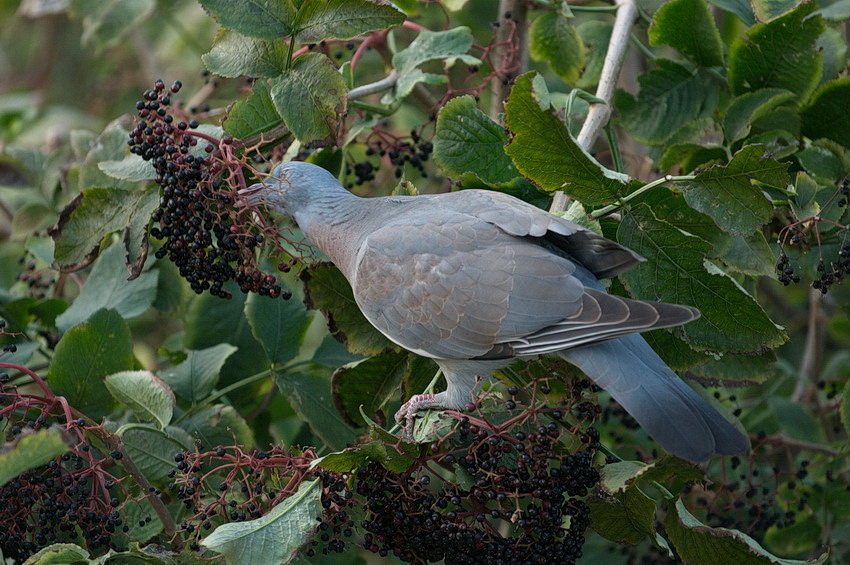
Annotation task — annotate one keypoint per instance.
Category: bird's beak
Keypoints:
(252, 195)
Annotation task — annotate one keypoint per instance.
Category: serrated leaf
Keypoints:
(826, 116)
(739, 368)
(467, 141)
(309, 392)
(234, 54)
(146, 395)
(740, 8)
(29, 451)
(253, 116)
(780, 54)
(90, 217)
(108, 287)
(626, 517)
(729, 195)
(750, 255)
(552, 39)
(218, 425)
(749, 107)
(687, 25)
(152, 450)
(197, 375)
(256, 18)
(670, 98)
(311, 98)
(275, 537)
(327, 290)
(428, 45)
(59, 554)
(698, 544)
(279, 325)
(135, 238)
(596, 35)
(368, 384)
(384, 451)
(769, 10)
(543, 150)
(131, 168)
(85, 355)
(675, 272)
(343, 19)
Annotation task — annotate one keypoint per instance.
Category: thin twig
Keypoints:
(804, 392)
(599, 114)
(519, 13)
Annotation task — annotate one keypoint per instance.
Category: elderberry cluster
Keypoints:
(195, 214)
(785, 271)
(400, 152)
(522, 502)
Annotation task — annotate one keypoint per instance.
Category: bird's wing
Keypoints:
(602, 257)
(453, 286)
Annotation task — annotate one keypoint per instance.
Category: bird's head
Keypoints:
(291, 187)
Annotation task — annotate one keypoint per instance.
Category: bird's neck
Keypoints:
(335, 224)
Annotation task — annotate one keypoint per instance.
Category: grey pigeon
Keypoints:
(476, 278)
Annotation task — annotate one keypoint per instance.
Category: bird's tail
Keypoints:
(674, 414)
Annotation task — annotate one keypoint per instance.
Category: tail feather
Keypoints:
(674, 414)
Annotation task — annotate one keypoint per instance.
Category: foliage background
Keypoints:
(709, 94)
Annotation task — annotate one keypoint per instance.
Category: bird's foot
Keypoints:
(407, 413)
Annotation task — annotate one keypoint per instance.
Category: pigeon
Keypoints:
(475, 279)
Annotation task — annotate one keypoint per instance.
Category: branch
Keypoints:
(519, 12)
(599, 114)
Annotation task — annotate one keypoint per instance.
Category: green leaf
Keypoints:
(747, 108)
(738, 368)
(108, 287)
(343, 19)
(29, 451)
(675, 272)
(85, 355)
(234, 54)
(826, 116)
(393, 455)
(544, 151)
(670, 98)
(780, 54)
(799, 538)
(367, 385)
(750, 255)
(146, 395)
(311, 98)
(797, 420)
(279, 325)
(59, 554)
(625, 517)
(131, 168)
(327, 290)
(596, 35)
(136, 234)
(218, 425)
(195, 378)
(769, 10)
(451, 44)
(105, 23)
(729, 193)
(698, 544)
(152, 450)
(822, 161)
(90, 217)
(253, 116)
(844, 408)
(687, 25)
(275, 537)
(309, 393)
(266, 19)
(740, 8)
(468, 141)
(554, 40)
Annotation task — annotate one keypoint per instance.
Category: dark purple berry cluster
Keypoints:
(785, 272)
(415, 151)
(201, 230)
